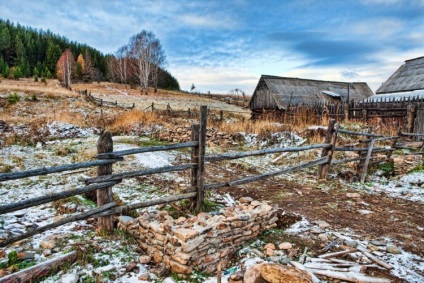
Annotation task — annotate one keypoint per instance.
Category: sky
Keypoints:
(220, 45)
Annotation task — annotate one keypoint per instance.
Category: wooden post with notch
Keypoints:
(104, 196)
(194, 158)
(330, 137)
(201, 160)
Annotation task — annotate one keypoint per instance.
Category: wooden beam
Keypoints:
(358, 133)
(367, 161)
(73, 218)
(132, 174)
(146, 149)
(330, 137)
(54, 169)
(229, 156)
(48, 198)
(36, 272)
(104, 196)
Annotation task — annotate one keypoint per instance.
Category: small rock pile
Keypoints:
(404, 164)
(200, 242)
(213, 137)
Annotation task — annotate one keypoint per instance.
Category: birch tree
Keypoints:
(66, 68)
(158, 60)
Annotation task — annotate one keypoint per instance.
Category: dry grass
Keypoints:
(128, 120)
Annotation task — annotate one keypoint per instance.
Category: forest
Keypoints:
(29, 52)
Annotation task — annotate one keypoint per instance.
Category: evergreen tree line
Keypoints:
(27, 52)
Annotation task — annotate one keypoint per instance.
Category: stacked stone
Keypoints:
(200, 242)
(404, 164)
(183, 134)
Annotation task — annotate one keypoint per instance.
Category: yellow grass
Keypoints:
(126, 121)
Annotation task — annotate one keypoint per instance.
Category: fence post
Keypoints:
(201, 160)
(330, 137)
(153, 107)
(410, 110)
(367, 161)
(189, 115)
(364, 116)
(221, 115)
(346, 111)
(104, 196)
(194, 157)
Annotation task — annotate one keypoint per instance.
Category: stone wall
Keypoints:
(199, 242)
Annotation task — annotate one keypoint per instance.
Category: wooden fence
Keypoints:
(105, 179)
(102, 102)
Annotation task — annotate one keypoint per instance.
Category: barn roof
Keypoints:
(396, 96)
(409, 76)
(304, 91)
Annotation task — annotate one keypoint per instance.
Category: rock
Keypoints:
(237, 276)
(26, 256)
(160, 271)
(144, 259)
(69, 278)
(245, 200)
(269, 252)
(276, 273)
(169, 280)
(47, 252)
(285, 246)
(372, 247)
(144, 277)
(323, 237)
(255, 203)
(179, 268)
(2, 254)
(49, 244)
(253, 274)
(317, 230)
(393, 249)
(131, 266)
(322, 224)
(269, 246)
(125, 219)
(352, 244)
(353, 195)
(377, 243)
(185, 234)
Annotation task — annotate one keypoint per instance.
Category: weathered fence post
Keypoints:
(201, 159)
(346, 111)
(194, 157)
(104, 196)
(221, 115)
(330, 137)
(153, 107)
(189, 115)
(367, 161)
(364, 116)
(410, 114)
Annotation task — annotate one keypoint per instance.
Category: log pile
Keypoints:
(404, 164)
(213, 137)
(199, 242)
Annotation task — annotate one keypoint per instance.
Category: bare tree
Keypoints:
(140, 50)
(158, 60)
(66, 68)
(122, 63)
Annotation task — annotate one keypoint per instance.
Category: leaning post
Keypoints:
(330, 137)
(201, 159)
(194, 159)
(104, 196)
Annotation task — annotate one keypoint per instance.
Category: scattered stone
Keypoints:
(258, 253)
(26, 256)
(377, 243)
(285, 246)
(253, 274)
(365, 211)
(2, 253)
(145, 277)
(352, 244)
(323, 237)
(372, 247)
(317, 230)
(49, 244)
(269, 252)
(322, 224)
(47, 252)
(269, 246)
(237, 275)
(160, 271)
(131, 266)
(393, 249)
(125, 219)
(169, 280)
(245, 200)
(353, 195)
(144, 259)
(276, 273)
(69, 278)
(19, 214)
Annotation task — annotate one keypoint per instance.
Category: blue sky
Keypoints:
(222, 45)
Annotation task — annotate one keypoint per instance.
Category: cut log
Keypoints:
(336, 254)
(34, 273)
(374, 258)
(351, 276)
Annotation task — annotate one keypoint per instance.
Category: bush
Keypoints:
(35, 78)
(13, 98)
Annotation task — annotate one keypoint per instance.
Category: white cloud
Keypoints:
(207, 21)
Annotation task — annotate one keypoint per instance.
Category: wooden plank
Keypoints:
(36, 272)
(330, 137)
(146, 149)
(73, 218)
(229, 156)
(358, 133)
(48, 198)
(104, 196)
(132, 174)
(268, 175)
(125, 208)
(362, 149)
(367, 161)
(351, 276)
(201, 161)
(54, 169)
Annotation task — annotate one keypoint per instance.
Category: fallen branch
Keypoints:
(351, 276)
(33, 273)
(374, 258)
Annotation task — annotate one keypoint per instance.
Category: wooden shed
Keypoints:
(278, 93)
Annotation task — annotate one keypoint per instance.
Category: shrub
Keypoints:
(13, 98)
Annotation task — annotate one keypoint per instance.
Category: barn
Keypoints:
(278, 93)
